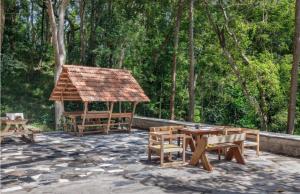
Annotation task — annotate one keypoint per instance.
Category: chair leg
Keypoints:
(161, 158)
(257, 150)
(184, 149)
(170, 156)
(149, 154)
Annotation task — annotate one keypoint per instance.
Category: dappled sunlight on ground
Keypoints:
(117, 163)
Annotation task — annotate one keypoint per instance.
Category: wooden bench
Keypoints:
(252, 137)
(232, 142)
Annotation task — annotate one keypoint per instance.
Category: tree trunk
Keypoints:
(59, 49)
(192, 64)
(42, 25)
(82, 32)
(176, 38)
(294, 72)
(2, 21)
(92, 39)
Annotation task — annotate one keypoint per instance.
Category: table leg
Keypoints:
(205, 162)
(192, 144)
(236, 153)
(4, 132)
(200, 149)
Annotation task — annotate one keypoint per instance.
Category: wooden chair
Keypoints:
(233, 142)
(252, 139)
(162, 142)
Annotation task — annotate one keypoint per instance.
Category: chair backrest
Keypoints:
(232, 130)
(166, 128)
(251, 134)
(157, 129)
(225, 138)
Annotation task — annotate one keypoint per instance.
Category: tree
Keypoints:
(176, 40)
(2, 21)
(59, 47)
(82, 31)
(220, 32)
(294, 72)
(192, 64)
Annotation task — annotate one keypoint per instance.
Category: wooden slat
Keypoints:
(121, 115)
(225, 138)
(96, 116)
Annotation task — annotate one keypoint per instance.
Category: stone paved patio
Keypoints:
(117, 163)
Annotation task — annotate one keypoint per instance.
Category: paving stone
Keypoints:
(62, 165)
(63, 180)
(10, 189)
(120, 160)
(115, 170)
(36, 177)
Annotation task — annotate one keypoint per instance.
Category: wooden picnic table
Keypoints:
(196, 134)
(78, 121)
(16, 127)
(202, 139)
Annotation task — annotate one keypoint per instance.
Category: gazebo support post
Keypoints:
(132, 113)
(120, 119)
(109, 116)
(107, 105)
(84, 116)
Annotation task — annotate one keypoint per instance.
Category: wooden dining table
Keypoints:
(194, 133)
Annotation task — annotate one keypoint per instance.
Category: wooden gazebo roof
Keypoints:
(90, 84)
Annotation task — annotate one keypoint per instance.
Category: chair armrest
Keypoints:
(160, 133)
(251, 131)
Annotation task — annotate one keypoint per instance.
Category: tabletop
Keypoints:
(12, 122)
(202, 130)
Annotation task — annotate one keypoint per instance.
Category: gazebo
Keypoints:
(94, 84)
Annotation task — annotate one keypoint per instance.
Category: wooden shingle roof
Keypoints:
(90, 84)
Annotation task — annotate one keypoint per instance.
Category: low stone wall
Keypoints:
(272, 142)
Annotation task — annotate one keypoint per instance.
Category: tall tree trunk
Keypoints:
(176, 38)
(294, 72)
(59, 48)
(42, 25)
(32, 30)
(82, 32)
(94, 19)
(192, 64)
(2, 21)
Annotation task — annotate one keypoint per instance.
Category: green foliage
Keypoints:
(142, 31)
